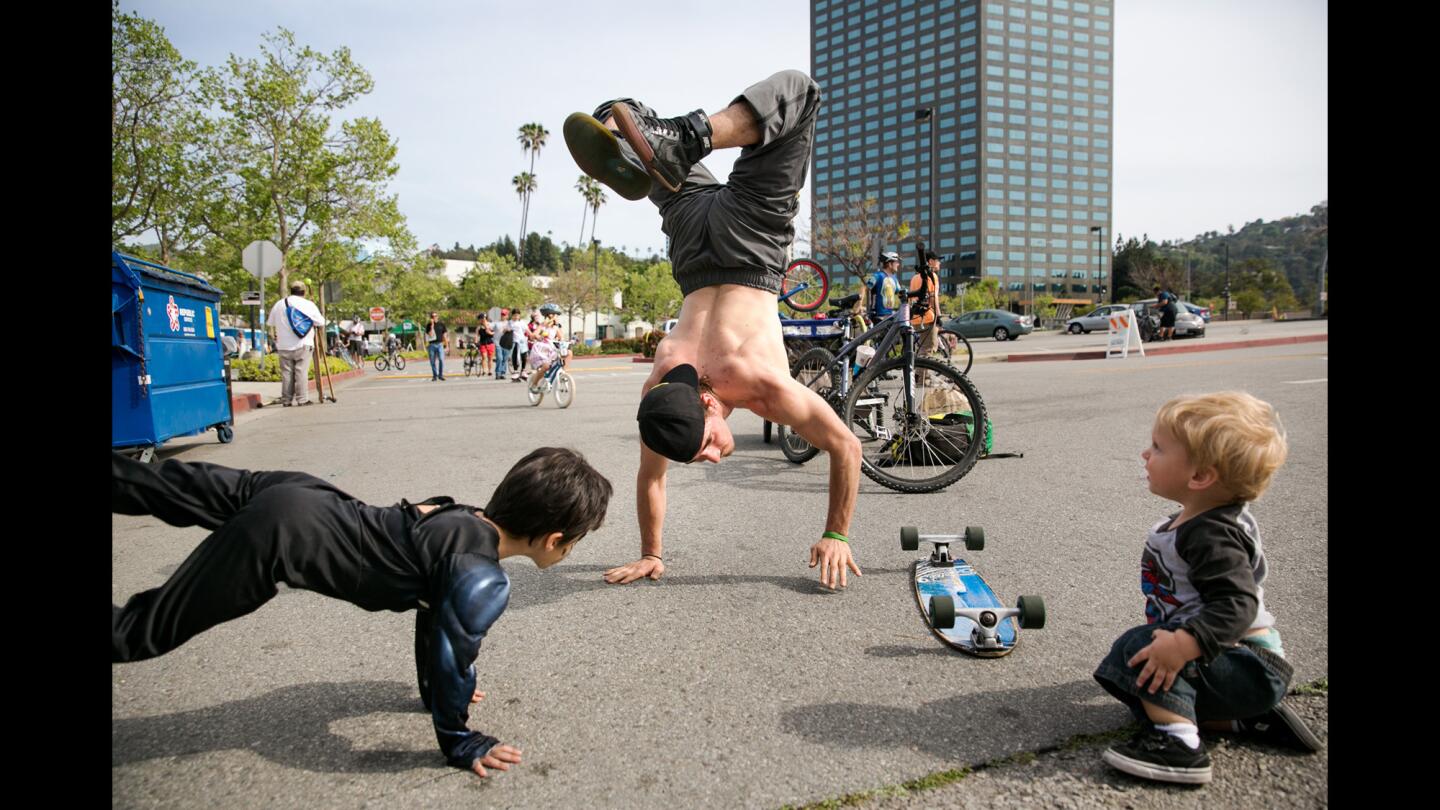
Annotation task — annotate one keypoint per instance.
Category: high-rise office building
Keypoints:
(1020, 95)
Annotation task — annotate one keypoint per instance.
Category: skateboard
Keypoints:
(598, 153)
(958, 604)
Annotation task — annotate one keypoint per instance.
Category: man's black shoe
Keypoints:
(1153, 754)
(1282, 727)
(667, 147)
(602, 155)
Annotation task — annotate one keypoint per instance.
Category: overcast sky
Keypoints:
(1220, 112)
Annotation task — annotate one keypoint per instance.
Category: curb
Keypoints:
(240, 403)
(1099, 354)
(638, 359)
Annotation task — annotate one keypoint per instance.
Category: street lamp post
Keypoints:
(927, 114)
(1100, 260)
(595, 248)
(1227, 280)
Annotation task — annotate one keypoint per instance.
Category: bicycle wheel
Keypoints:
(564, 389)
(933, 445)
(399, 363)
(805, 284)
(812, 370)
(953, 350)
(536, 393)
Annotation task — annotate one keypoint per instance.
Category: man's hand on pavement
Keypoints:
(833, 557)
(643, 567)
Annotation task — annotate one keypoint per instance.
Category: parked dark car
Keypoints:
(996, 323)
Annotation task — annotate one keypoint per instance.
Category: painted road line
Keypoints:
(1306, 382)
(1147, 366)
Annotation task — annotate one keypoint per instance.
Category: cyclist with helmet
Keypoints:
(543, 339)
(881, 295)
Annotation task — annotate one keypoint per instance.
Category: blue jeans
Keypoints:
(502, 361)
(437, 361)
(1241, 682)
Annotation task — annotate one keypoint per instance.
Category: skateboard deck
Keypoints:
(959, 606)
(598, 153)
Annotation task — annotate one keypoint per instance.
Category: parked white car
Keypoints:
(1097, 318)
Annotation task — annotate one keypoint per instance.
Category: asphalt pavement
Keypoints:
(734, 681)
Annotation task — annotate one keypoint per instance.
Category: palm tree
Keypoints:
(584, 185)
(524, 183)
(532, 140)
(596, 198)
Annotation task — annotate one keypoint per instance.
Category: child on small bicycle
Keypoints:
(544, 350)
(1209, 655)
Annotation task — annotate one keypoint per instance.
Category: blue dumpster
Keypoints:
(168, 372)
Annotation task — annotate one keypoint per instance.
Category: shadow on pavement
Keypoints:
(289, 726)
(531, 589)
(959, 727)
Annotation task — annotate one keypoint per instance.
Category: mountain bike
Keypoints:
(389, 360)
(472, 361)
(918, 418)
(556, 379)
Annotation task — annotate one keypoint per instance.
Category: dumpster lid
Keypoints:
(160, 271)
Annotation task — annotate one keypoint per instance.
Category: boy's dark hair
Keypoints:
(553, 489)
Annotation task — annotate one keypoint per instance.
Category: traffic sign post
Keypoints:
(261, 258)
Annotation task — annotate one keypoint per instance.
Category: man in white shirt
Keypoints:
(522, 343)
(294, 349)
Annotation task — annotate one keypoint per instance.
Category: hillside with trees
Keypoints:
(1272, 264)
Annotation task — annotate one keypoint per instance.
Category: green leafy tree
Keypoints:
(541, 255)
(1250, 300)
(651, 293)
(984, 295)
(292, 176)
(495, 281)
(159, 170)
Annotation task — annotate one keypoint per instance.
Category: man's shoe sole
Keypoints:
(596, 151)
(1158, 773)
(630, 131)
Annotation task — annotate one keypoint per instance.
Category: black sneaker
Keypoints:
(667, 147)
(1282, 727)
(1153, 754)
(601, 154)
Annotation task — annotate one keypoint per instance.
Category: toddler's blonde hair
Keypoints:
(1232, 431)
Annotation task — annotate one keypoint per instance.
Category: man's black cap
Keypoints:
(930, 254)
(672, 420)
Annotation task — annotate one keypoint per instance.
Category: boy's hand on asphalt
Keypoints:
(643, 567)
(501, 757)
(833, 557)
(478, 696)
(1164, 658)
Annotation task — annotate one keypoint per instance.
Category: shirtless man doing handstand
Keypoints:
(727, 248)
